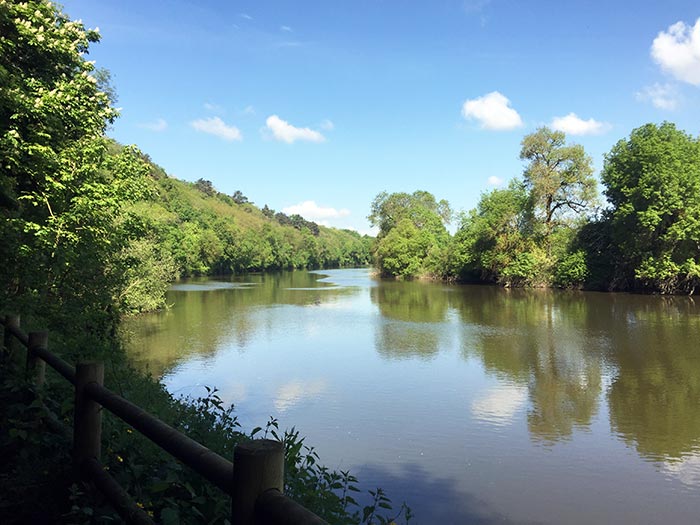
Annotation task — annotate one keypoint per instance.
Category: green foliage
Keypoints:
(652, 181)
(494, 241)
(413, 240)
(558, 177)
(572, 272)
(522, 235)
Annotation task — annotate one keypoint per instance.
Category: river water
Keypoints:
(475, 404)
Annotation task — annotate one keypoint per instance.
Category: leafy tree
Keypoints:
(62, 187)
(206, 187)
(524, 234)
(652, 181)
(412, 239)
(494, 242)
(387, 210)
(239, 198)
(559, 177)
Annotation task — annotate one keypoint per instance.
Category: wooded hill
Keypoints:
(189, 229)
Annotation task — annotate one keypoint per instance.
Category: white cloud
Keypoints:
(313, 212)
(495, 181)
(677, 51)
(493, 111)
(327, 125)
(285, 132)
(662, 96)
(157, 125)
(286, 28)
(217, 127)
(574, 125)
(209, 106)
(246, 16)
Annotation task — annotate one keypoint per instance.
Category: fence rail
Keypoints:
(254, 480)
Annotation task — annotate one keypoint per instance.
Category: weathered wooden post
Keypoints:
(11, 321)
(258, 466)
(36, 367)
(87, 420)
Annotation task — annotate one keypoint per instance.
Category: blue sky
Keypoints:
(314, 107)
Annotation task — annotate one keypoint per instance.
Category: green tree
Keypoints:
(388, 209)
(559, 178)
(412, 238)
(495, 243)
(61, 183)
(652, 181)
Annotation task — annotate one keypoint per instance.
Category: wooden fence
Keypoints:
(254, 480)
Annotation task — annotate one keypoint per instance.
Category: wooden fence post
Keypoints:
(257, 466)
(11, 321)
(87, 420)
(36, 366)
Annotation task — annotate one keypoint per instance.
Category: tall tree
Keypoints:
(558, 176)
(412, 236)
(652, 181)
(62, 187)
(388, 209)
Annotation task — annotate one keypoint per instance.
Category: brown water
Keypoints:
(475, 404)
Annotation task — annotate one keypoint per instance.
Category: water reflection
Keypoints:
(411, 313)
(557, 387)
(499, 405)
(536, 339)
(686, 469)
(208, 315)
(655, 394)
(292, 392)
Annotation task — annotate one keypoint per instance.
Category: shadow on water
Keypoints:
(444, 505)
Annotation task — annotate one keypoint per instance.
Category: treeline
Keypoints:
(188, 229)
(84, 217)
(549, 226)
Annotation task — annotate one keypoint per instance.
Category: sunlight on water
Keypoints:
(473, 403)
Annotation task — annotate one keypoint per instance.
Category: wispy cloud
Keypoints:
(246, 16)
(285, 132)
(495, 181)
(209, 106)
(475, 6)
(157, 125)
(574, 125)
(327, 125)
(662, 96)
(677, 51)
(217, 127)
(313, 212)
(286, 29)
(248, 110)
(289, 43)
(493, 112)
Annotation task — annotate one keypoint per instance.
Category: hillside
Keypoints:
(181, 229)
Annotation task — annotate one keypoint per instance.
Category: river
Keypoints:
(475, 404)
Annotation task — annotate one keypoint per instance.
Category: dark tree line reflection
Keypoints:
(571, 351)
